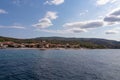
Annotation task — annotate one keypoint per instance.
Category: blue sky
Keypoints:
(65, 18)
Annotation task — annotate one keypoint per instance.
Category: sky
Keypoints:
(63, 18)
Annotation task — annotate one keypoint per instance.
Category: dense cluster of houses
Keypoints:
(42, 44)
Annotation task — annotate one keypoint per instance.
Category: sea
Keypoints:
(66, 64)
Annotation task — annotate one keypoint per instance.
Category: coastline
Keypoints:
(49, 48)
(45, 49)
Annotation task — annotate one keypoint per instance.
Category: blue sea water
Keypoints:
(34, 64)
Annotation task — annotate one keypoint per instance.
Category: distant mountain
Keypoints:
(97, 41)
(84, 42)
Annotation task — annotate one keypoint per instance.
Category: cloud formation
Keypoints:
(81, 26)
(43, 23)
(14, 27)
(17, 27)
(113, 17)
(85, 24)
(54, 2)
(51, 15)
(3, 11)
(115, 12)
(78, 30)
(47, 20)
(103, 2)
(113, 31)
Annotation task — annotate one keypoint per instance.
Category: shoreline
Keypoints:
(48, 48)
(43, 49)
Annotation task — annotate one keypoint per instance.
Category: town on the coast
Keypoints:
(59, 43)
(41, 45)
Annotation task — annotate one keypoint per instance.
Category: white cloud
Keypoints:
(81, 26)
(113, 17)
(103, 2)
(43, 23)
(113, 31)
(17, 27)
(47, 20)
(115, 12)
(14, 27)
(77, 30)
(54, 2)
(51, 15)
(113, 1)
(85, 24)
(3, 11)
(109, 20)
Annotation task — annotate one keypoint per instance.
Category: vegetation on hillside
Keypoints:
(83, 42)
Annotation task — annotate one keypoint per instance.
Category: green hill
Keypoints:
(83, 42)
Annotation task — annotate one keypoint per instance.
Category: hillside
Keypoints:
(83, 42)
